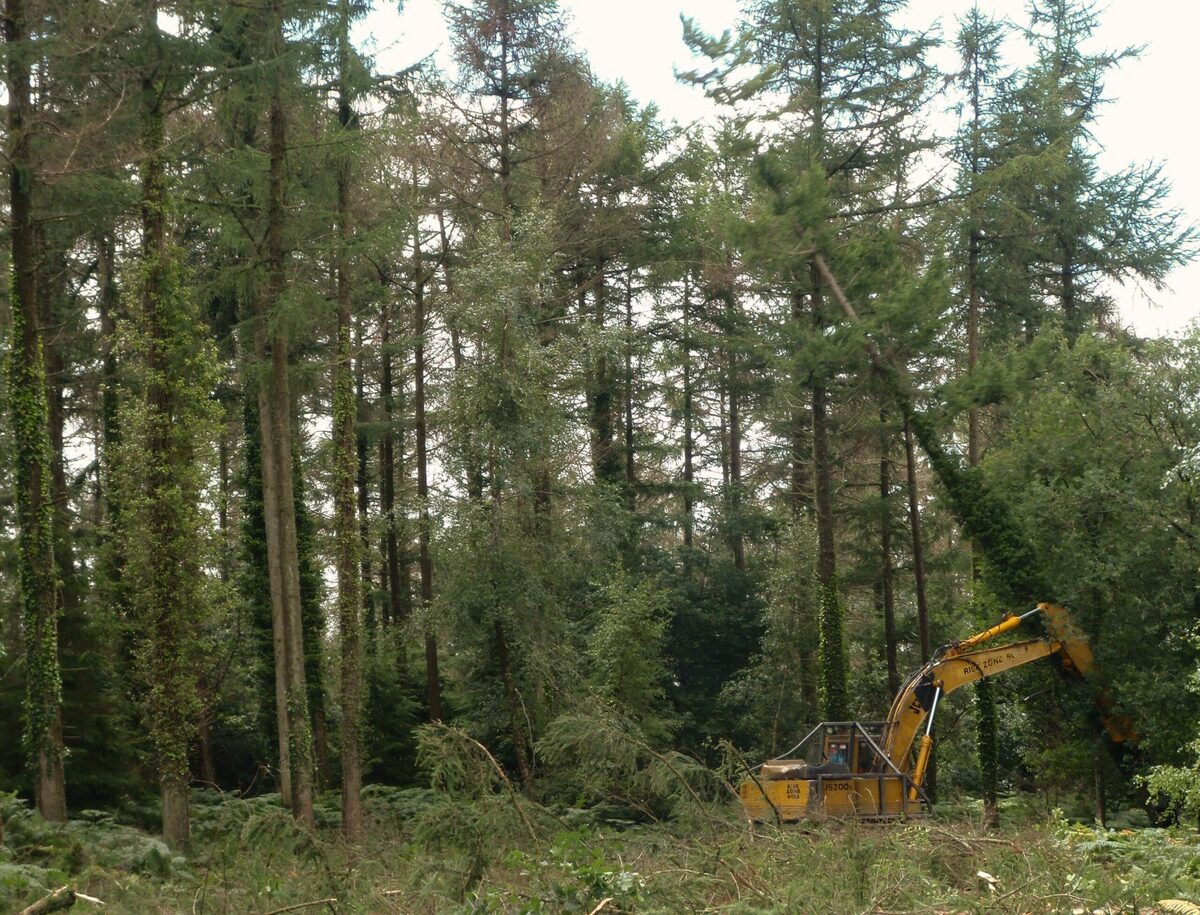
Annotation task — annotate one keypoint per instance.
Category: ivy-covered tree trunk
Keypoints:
(169, 723)
(345, 472)
(349, 602)
(38, 581)
(168, 416)
(832, 641)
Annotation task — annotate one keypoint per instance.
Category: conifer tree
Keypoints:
(169, 421)
(1084, 229)
(275, 416)
(978, 44)
(39, 584)
(850, 83)
(346, 454)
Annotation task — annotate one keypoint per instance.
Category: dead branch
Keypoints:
(331, 902)
(61, 898)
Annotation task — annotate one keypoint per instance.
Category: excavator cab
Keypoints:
(838, 769)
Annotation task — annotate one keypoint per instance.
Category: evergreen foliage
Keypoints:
(477, 437)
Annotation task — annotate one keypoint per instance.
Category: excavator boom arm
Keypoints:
(915, 701)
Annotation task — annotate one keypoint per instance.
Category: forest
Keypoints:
(433, 491)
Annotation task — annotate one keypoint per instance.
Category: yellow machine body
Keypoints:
(876, 770)
(876, 796)
(841, 775)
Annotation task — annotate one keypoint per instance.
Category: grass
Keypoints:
(429, 853)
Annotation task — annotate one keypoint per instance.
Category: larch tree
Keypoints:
(842, 85)
(1075, 230)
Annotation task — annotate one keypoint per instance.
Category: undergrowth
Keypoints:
(436, 852)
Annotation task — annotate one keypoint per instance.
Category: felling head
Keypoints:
(1076, 653)
(1077, 657)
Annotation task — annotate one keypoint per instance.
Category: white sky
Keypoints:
(639, 42)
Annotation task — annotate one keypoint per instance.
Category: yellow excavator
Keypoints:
(876, 770)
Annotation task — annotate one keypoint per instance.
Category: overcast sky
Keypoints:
(639, 42)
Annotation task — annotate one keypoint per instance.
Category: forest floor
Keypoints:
(423, 855)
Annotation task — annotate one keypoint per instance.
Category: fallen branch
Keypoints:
(331, 902)
(750, 771)
(603, 903)
(61, 898)
(499, 770)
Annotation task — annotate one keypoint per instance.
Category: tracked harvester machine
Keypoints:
(876, 770)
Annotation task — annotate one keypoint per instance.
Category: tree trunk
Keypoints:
(166, 621)
(606, 464)
(392, 459)
(630, 447)
(433, 689)
(474, 473)
(985, 705)
(723, 414)
(800, 495)
(516, 713)
(346, 532)
(886, 596)
(1073, 320)
(387, 475)
(973, 342)
(208, 763)
(48, 287)
(27, 395)
(312, 614)
(914, 518)
(833, 650)
(109, 301)
(363, 485)
(278, 495)
(257, 464)
(223, 493)
(736, 540)
(801, 435)
(176, 817)
(689, 469)
(987, 738)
